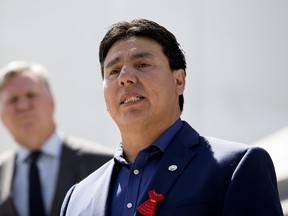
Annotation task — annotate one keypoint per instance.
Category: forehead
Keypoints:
(132, 46)
(21, 80)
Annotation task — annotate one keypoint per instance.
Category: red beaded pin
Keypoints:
(148, 208)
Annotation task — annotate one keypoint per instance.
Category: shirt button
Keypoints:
(136, 171)
(129, 205)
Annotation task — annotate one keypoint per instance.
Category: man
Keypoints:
(27, 109)
(163, 166)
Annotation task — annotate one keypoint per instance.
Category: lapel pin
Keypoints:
(148, 208)
(172, 168)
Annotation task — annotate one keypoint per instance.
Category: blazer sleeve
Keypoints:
(253, 187)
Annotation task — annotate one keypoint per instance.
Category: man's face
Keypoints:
(139, 86)
(26, 109)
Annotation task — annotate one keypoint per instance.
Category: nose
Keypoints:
(23, 103)
(127, 76)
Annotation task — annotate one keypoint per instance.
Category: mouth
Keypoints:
(132, 99)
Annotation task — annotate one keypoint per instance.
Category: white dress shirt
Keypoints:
(48, 165)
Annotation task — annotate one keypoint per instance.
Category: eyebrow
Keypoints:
(134, 56)
(112, 62)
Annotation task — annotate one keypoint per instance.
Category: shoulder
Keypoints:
(84, 153)
(230, 151)
(93, 186)
(227, 146)
(99, 176)
(219, 150)
(93, 181)
(6, 156)
(219, 147)
(86, 146)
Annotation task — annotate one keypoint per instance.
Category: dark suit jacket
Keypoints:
(213, 177)
(79, 158)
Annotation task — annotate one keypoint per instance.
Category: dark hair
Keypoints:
(145, 28)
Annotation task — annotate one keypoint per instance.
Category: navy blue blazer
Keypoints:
(213, 177)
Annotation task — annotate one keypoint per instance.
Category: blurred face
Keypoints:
(26, 109)
(139, 87)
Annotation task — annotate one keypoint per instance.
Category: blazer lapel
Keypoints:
(6, 179)
(175, 159)
(102, 186)
(66, 177)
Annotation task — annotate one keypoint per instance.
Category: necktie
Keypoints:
(36, 206)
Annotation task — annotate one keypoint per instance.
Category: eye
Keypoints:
(111, 72)
(12, 100)
(114, 71)
(143, 65)
(31, 95)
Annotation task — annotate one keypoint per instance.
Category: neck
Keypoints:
(135, 139)
(35, 142)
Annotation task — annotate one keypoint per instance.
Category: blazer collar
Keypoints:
(99, 202)
(179, 152)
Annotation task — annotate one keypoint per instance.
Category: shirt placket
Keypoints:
(133, 190)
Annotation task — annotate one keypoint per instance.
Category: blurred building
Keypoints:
(276, 144)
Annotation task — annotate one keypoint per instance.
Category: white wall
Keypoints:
(237, 54)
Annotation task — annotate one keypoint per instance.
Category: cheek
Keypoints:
(45, 105)
(6, 112)
(108, 98)
(106, 93)
(110, 91)
(165, 87)
(106, 88)
(8, 118)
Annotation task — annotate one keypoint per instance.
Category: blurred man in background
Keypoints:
(35, 177)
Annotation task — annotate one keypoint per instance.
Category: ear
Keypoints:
(180, 80)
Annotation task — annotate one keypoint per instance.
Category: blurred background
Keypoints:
(237, 58)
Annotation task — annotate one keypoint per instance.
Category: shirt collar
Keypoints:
(167, 136)
(161, 142)
(119, 155)
(51, 147)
